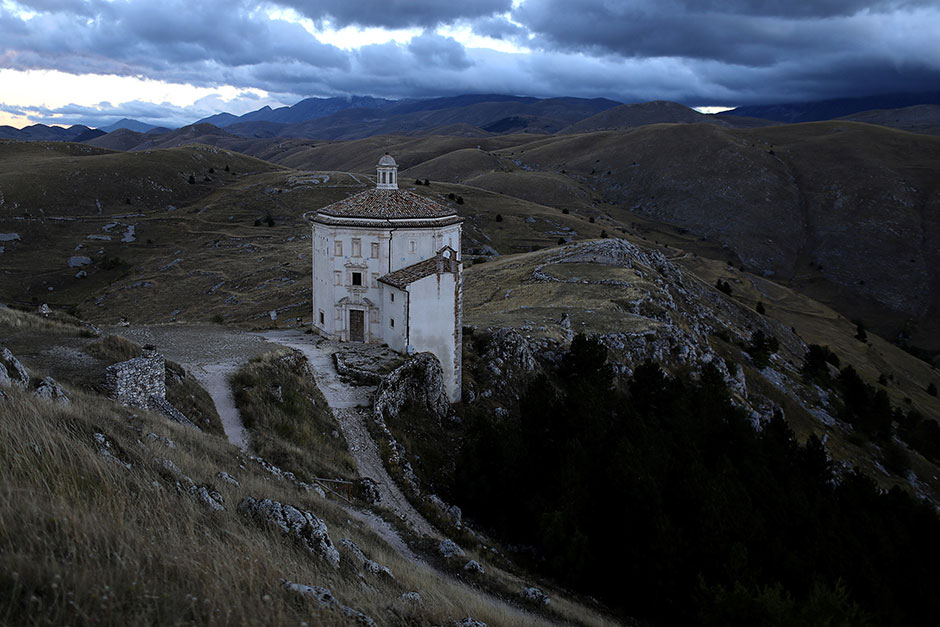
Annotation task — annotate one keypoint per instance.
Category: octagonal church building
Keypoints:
(387, 270)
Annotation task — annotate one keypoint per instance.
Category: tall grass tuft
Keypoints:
(289, 420)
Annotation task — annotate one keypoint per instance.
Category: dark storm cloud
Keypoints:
(815, 48)
(396, 13)
(699, 52)
(167, 40)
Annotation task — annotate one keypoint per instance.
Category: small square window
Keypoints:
(391, 323)
(357, 278)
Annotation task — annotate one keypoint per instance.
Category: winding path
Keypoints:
(352, 405)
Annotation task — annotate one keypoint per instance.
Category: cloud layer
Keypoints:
(699, 52)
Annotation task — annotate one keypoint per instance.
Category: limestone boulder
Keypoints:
(536, 596)
(418, 383)
(49, 390)
(302, 525)
(448, 548)
(12, 372)
(325, 598)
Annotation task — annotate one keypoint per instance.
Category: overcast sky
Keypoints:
(171, 62)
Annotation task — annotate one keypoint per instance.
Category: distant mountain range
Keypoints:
(129, 124)
(41, 132)
(832, 109)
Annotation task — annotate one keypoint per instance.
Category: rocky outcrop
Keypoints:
(49, 390)
(368, 564)
(419, 383)
(12, 372)
(207, 497)
(325, 598)
(448, 548)
(535, 596)
(474, 567)
(309, 530)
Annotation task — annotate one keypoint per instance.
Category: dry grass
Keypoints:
(288, 418)
(86, 540)
(113, 349)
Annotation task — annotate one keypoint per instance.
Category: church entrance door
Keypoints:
(356, 325)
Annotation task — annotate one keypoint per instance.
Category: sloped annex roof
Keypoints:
(406, 276)
(387, 204)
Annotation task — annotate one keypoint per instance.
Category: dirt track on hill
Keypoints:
(211, 353)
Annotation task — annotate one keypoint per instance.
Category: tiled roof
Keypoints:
(406, 276)
(386, 204)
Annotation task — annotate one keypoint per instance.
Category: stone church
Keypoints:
(387, 270)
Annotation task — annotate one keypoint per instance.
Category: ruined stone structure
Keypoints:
(141, 383)
(135, 381)
(387, 270)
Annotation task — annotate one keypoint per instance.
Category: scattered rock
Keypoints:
(412, 597)
(163, 439)
(451, 513)
(448, 548)
(474, 567)
(49, 390)
(303, 525)
(172, 469)
(367, 490)
(78, 261)
(370, 565)
(470, 622)
(534, 595)
(209, 498)
(12, 372)
(227, 478)
(104, 449)
(326, 598)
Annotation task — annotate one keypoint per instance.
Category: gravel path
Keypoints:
(352, 405)
(210, 353)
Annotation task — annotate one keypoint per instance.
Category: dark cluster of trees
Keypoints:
(869, 410)
(662, 499)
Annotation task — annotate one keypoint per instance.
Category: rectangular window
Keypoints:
(375, 279)
(337, 277)
(391, 322)
(375, 250)
(413, 247)
(357, 278)
(357, 247)
(322, 317)
(392, 295)
(338, 248)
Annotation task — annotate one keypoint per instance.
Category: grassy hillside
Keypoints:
(117, 515)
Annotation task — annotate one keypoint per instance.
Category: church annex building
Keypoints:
(387, 270)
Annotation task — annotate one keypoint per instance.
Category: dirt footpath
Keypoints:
(210, 353)
(352, 406)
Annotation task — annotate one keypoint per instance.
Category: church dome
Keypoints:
(387, 160)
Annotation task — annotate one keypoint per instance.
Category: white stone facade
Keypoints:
(387, 270)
